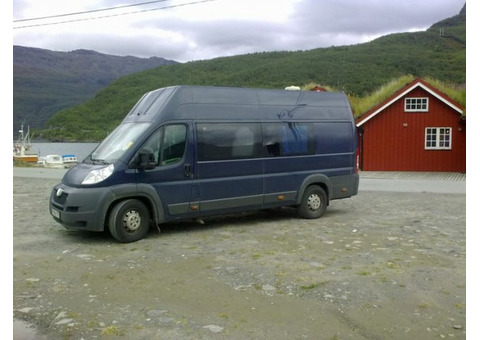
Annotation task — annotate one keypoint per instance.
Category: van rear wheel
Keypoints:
(129, 221)
(314, 202)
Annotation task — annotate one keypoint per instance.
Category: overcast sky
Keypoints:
(185, 30)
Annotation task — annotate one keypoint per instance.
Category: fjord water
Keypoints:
(81, 150)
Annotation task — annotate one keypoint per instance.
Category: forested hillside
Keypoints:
(45, 82)
(439, 53)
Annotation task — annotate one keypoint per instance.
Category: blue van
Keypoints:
(186, 152)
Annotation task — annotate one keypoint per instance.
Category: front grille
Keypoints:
(60, 199)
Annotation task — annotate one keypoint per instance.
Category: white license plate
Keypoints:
(55, 213)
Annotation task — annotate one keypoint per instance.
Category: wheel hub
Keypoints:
(132, 220)
(314, 202)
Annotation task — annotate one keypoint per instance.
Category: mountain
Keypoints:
(358, 70)
(45, 82)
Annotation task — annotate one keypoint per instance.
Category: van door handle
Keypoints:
(187, 170)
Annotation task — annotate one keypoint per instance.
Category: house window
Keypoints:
(438, 138)
(416, 104)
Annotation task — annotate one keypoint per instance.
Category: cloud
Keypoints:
(227, 27)
(371, 17)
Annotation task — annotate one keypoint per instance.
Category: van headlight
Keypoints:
(98, 175)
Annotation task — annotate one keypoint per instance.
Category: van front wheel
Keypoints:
(129, 221)
(314, 202)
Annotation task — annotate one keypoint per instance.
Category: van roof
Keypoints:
(212, 102)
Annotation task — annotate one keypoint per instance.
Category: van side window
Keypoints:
(288, 139)
(220, 141)
(167, 144)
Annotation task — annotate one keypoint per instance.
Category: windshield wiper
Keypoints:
(96, 161)
(100, 161)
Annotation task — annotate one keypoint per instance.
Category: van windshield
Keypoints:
(117, 143)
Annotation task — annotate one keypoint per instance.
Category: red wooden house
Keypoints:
(417, 129)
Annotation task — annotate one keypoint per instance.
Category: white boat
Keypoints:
(21, 148)
(53, 161)
(69, 160)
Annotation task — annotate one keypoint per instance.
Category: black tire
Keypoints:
(314, 202)
(129, 221)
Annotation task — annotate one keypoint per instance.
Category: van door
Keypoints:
(229, 168)
(288, 162)
(173, 173)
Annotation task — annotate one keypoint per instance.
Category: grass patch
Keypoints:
(313, 285)
(364, 273)
(112, 330)
(360, 105)
(310, 286)
(256, 256)
(423, 306)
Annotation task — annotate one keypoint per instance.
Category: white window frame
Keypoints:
(416, 104)
(435, 138)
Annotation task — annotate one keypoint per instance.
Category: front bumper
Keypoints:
(79, 208)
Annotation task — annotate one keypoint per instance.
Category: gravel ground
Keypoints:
(385, 264)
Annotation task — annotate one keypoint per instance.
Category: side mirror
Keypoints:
(143, 160)
(147, 160)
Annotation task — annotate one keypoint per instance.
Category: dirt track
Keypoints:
(381, 265)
